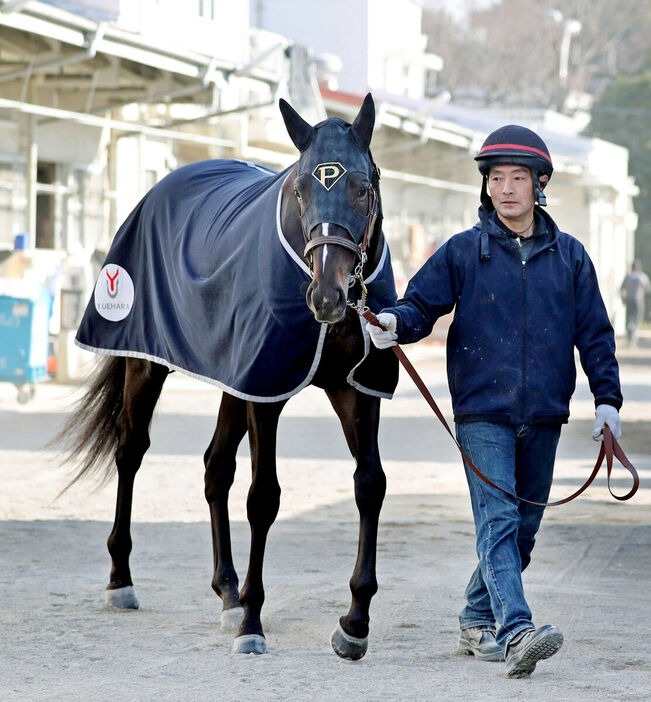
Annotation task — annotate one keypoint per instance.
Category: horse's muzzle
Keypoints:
(328, 303)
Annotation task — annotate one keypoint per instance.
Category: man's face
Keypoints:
(511, 190)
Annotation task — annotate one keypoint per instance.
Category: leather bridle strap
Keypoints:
(335, 240)
(359, 249)
(609, 446)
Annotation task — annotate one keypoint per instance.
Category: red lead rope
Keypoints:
(609, 446)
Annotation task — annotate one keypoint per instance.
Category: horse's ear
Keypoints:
(300, 132)
(364, 122)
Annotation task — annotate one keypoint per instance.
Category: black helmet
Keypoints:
(515, 142)
(517, 145)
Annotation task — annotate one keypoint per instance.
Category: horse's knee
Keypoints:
(263, 503)
(219, 476)
(370, 486)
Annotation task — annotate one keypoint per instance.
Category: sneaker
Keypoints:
(530, 647)
(480, 643)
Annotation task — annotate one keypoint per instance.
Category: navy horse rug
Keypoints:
(200, 278)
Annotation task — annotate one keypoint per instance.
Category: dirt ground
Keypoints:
(590, 571)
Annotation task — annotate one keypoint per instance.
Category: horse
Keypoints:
(330, 213)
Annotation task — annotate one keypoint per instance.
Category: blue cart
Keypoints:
(23, 337)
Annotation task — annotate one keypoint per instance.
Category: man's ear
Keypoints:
(543, 180)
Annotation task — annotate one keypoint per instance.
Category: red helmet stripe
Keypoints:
(518, 147)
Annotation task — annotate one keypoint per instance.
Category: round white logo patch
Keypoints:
(113, 293)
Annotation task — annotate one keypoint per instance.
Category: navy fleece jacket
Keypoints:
(510, 348)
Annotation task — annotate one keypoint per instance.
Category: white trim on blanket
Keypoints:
(212, 381)
(351, 381)
(281, 235)
(378, 268)
(300, 262)
(258, 167)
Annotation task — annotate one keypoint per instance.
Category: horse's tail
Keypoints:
(89, 436)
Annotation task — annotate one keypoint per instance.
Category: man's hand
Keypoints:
(606, 414)
(383, 338)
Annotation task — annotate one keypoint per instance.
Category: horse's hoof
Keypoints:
(122, 598)
(250, 643)
(346, 646)
(231, 619)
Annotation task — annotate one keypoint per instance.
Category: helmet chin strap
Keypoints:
(539, 196)
(487, 207)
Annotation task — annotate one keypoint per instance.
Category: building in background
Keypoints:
(425, 146)
(99, 99)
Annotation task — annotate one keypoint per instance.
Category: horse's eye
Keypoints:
(362, 192)
(298, 195)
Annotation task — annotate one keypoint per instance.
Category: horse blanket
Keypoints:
(201, 279)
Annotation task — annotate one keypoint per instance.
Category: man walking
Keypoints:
(523, 294)
(633, 292)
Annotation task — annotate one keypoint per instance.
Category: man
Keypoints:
(523, 294)
(633, 292)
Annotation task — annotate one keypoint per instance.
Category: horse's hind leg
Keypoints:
(219, 460)
(360, 416)
(142, 386)
(262, 507)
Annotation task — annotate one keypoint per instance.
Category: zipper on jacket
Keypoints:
(524, 338)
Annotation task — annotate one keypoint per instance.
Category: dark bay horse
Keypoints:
(331, 216)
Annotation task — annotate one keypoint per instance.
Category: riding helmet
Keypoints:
(514, 144)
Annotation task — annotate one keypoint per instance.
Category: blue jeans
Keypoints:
(520, 459)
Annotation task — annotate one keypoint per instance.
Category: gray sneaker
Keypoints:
(481, 644)
(529, 648)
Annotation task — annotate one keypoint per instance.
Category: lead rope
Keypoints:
(609, 446)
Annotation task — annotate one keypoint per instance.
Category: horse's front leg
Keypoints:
(262, 507)
(360, 416)
(219, 460)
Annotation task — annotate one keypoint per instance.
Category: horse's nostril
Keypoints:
(309, 293)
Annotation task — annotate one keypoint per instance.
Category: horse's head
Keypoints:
(338, 202)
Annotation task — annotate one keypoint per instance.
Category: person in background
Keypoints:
(523, 294)
(633, 291)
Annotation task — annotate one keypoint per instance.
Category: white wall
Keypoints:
(396, 47)
(379, 41)
(337, 27)
(62, 141)
(177, 23)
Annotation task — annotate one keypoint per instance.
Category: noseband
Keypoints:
(358, 249)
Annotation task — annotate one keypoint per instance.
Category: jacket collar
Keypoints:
(490, 229)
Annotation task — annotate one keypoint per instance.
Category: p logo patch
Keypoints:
(328, 173)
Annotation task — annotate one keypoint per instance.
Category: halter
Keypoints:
(358, 249)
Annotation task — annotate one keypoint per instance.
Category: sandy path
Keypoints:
(590, 571)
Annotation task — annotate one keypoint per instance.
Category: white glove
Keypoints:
(606, 414)
(381, 338)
